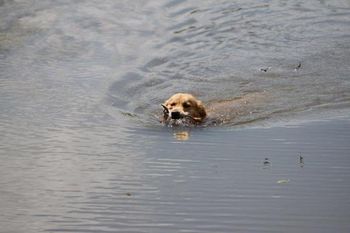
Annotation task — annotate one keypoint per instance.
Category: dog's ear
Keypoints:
(201, 110)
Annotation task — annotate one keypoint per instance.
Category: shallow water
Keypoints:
(81, 147)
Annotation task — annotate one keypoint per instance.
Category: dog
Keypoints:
(183, 109)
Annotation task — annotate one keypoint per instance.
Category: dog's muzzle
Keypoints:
(175, 115)
(177, 118)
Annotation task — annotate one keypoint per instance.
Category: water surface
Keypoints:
(81, 147)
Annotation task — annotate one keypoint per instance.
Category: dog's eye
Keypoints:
(172, 104)
(186, 105)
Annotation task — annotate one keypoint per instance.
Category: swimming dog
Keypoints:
(183, 109)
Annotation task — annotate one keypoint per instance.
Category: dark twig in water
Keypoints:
(298, 66)
(301, 160)
(265, 69)
(266, 161)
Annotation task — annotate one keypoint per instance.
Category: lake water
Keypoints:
(81, 147)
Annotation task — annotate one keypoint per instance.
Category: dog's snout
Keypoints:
(175, 115)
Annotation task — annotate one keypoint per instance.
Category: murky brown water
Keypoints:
(82, 151)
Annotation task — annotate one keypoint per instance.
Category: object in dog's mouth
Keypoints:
(177, 119)
(165, 110)
(183, 109)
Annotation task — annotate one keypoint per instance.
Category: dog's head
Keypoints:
(183, 107)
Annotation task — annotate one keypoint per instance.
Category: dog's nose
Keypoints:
(175, 115)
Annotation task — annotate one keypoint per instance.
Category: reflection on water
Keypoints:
(182, 135)
(81, 147)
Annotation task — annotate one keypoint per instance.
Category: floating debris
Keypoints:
(265, 69)
(194, 11)
(128, 114)
(283, 181)
(301, 160)
(298, 67)
(266, 162)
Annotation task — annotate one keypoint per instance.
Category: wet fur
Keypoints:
(183, 108)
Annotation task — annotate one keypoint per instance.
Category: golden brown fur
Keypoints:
(183, 106)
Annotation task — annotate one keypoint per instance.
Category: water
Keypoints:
(81, 147)
(219, 180)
